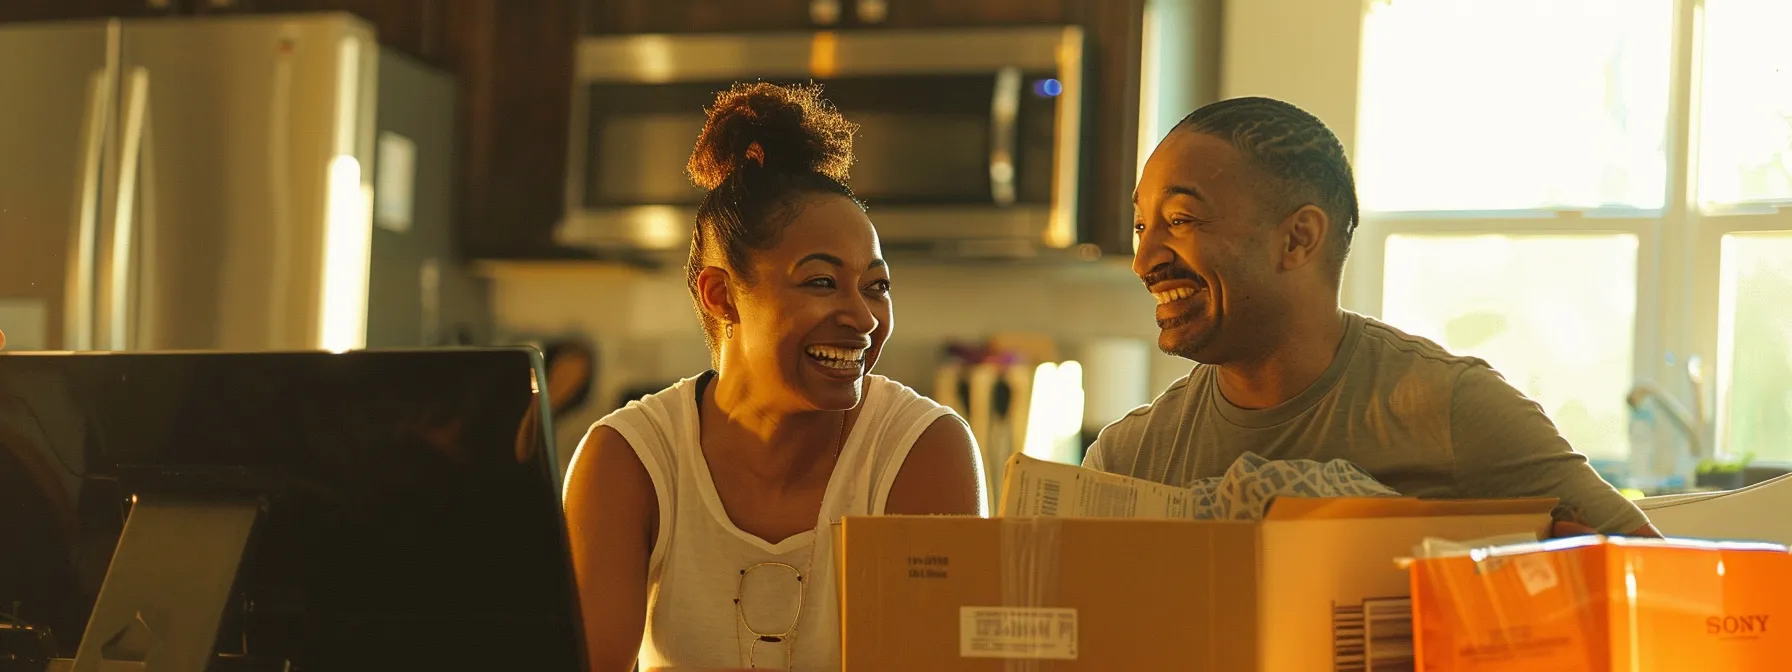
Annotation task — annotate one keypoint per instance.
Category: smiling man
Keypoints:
(1244, 216)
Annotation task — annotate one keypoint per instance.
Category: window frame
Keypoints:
(1679, 250)
(1366, 274)
(1712, 225)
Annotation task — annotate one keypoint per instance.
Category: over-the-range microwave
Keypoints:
(969, 140)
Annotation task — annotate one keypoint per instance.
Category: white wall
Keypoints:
(1302, 51)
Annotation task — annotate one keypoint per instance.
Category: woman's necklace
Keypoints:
(788, 637)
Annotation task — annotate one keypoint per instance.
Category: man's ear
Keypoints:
(714, 297)
(1304, 243)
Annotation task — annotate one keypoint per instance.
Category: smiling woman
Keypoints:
(699, 514)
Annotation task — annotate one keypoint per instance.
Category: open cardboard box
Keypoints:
(1313, 586)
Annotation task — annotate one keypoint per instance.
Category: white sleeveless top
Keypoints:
(695, 569)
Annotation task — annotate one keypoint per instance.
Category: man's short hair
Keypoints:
(1296, 150)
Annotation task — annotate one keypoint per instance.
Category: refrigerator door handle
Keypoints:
(78, 310)
(124, 235)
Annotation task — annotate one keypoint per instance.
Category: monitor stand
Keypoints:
(164, 595)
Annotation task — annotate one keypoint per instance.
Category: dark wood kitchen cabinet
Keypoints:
(612, 17)
(515, 60)
(1116, 30)
(416, 27)
(52, 10)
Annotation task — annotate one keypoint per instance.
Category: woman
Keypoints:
(699, 515)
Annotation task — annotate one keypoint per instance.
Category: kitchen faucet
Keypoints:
(1677, 413)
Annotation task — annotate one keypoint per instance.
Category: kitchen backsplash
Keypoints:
(645, 329)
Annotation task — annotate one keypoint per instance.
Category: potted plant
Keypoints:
(1723, 473)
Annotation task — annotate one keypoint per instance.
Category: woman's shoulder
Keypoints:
(672, 400)
(654, 422)
(888, 392)
(895, 410)
(893, 420)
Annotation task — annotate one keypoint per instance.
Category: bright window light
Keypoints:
(1513, 104)
(1745, 121)
(1554, 314)
(1755, 346)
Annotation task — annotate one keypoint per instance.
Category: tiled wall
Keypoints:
(646, 331)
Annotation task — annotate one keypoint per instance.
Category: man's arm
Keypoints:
(1095, 458)
(1505, 446)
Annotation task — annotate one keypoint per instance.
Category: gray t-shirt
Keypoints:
(1419, 419)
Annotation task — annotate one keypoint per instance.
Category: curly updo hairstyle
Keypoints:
(764, 149)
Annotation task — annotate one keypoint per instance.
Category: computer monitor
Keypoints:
(405, 503)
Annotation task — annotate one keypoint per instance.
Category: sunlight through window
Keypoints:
(1745, 129)
(1513, 104)
(1554, 314)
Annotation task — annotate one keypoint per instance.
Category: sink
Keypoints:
(1737, 514)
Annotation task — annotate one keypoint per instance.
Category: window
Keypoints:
(1744, 187)
(1568, 350)
(1756, 346)
(1745, 129)
(1513, 104)
(1529, 199)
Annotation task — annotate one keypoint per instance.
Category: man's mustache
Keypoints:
(1169, 272)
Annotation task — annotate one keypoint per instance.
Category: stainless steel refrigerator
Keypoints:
(244, 183)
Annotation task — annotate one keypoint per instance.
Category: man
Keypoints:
(1244, 215)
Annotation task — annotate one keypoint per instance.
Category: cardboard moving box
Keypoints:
(1313, 586)
(1598, 605)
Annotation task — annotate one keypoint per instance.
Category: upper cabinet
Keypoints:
(416, 27)
(49, 10)
(715, 16)
(613, 17)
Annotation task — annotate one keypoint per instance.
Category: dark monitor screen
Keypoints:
(411, 509)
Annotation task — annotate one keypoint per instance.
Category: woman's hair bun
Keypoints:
(788, 129)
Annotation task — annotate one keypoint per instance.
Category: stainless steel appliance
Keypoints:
(210, 184)
(969, 139)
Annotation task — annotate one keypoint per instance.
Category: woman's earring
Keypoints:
(728, 331)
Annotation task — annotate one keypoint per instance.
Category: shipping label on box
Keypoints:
(1038, 633)
(1033, 487)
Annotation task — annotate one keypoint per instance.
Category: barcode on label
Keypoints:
(1017, 632)
(1049, 491)
(1178, 504)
